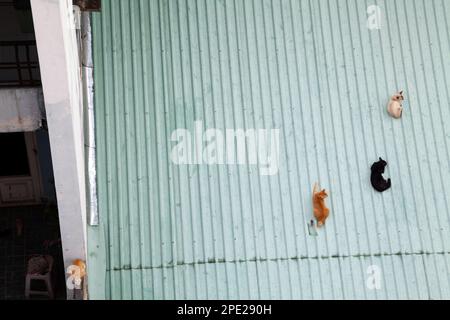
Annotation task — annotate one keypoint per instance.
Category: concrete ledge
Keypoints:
(22, 109)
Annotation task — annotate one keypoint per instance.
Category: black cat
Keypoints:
(378, 182)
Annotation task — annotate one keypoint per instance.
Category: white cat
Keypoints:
(395, 107)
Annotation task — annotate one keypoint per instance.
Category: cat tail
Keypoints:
(316, 187)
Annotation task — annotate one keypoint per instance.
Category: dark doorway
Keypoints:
(29, 224)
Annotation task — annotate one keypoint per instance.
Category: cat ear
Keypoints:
(380, 159)
(401, 92)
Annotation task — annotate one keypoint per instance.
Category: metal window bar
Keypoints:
(21, 63)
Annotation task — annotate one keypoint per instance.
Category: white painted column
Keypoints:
(60, 74)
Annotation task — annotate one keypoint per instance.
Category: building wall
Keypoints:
(311, 69)
(16, 25)
(12, 28)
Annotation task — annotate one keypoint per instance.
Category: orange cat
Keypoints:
(321, 212)
(82, 265)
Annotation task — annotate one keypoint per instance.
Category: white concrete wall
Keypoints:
(58, 55)
(21, 109)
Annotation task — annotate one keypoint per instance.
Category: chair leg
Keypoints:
(27, 287)
(48, 282)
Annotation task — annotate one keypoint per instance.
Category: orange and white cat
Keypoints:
(82, 267)
(321, 212)
(395, 106)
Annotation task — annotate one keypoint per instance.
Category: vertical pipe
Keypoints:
(88, 97)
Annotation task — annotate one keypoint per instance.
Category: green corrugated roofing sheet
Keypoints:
(311, 69)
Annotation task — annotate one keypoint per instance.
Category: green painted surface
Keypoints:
(315, 71)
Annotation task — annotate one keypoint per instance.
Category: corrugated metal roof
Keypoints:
(315, 71)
